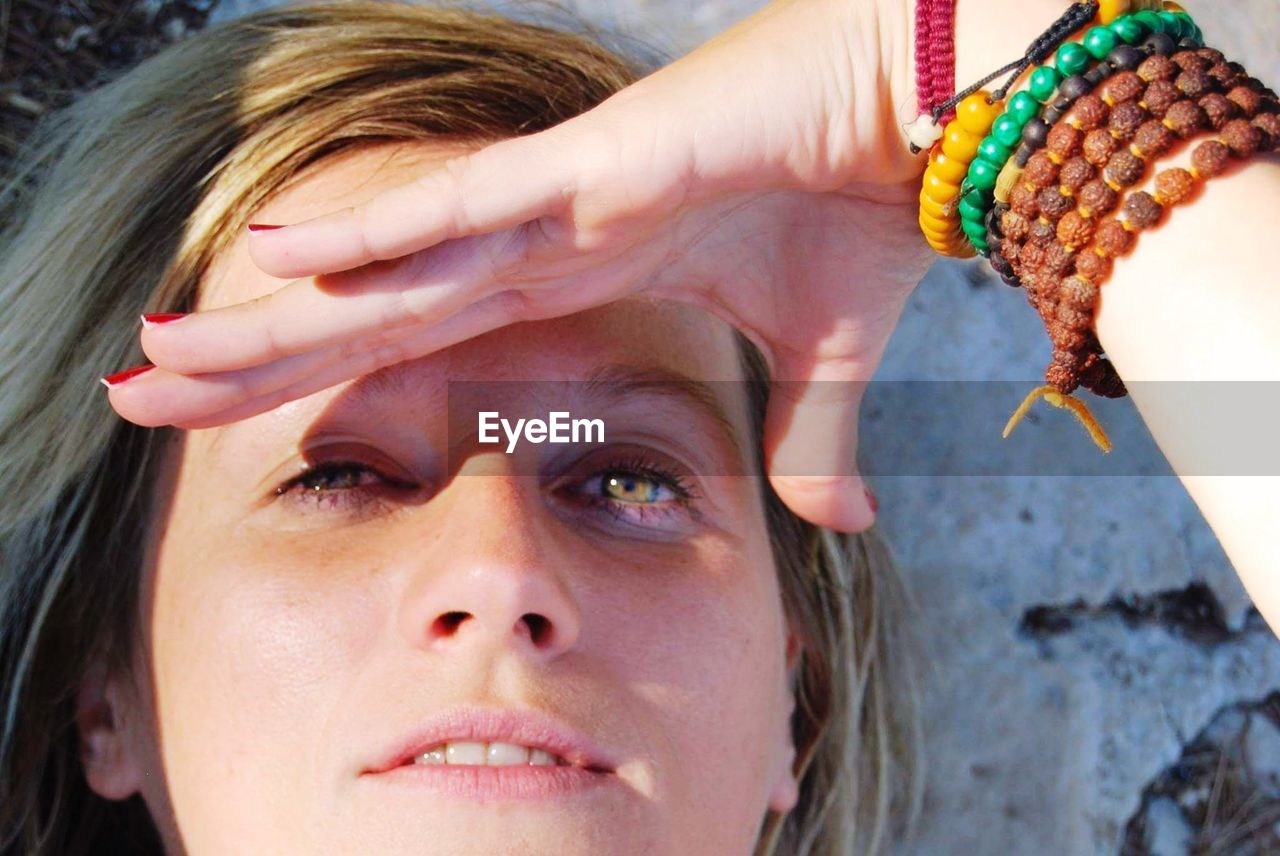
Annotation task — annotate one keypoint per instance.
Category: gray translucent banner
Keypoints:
(907, 428)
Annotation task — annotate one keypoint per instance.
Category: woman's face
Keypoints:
(295, 645)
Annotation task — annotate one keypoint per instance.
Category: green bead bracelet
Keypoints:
(1071, 58)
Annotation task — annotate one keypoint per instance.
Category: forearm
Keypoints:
(1194, 308)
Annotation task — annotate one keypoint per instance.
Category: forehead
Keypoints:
(349, 177)
(635, 331)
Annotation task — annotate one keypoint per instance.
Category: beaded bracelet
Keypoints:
(1076, 277)
(1073, 75)
(950, 157)
(1080, 197)
(1060, 183)
(1043, 262)
(1089, 140)
(1039, 203)
(948, 164)
(1116, 237)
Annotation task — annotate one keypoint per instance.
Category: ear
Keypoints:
(105, 711)
(786, 788)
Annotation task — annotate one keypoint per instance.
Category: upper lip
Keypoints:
(528, 727)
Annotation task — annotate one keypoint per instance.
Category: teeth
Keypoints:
(489, 754)
(464, 753)
(505, 754)
(431, 756)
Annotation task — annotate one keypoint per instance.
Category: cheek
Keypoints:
(247, 657)
(245, 629)
(711, 670)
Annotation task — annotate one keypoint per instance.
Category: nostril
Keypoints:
(449, 622)
(539, 627)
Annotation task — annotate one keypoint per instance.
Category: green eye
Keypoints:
(630, 487)
(639, 494)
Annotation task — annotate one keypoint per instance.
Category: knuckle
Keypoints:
(402, 312)
(369, 252)
(265, 304)
(518, 303)
(386, 354)
(247, 385)
(457, 171)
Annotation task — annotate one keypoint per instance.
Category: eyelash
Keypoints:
(358, 499)
(630, 512)
(362, 500)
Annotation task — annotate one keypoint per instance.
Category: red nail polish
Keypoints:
(114, 380)
(871, 499)
(161, 318)
(262, 227)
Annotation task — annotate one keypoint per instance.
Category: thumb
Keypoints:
(811, 441)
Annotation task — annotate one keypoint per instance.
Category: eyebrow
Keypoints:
(620, 381)
(614, 380)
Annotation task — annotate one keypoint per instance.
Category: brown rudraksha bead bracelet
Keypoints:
(1067, 188)
(1056, 233)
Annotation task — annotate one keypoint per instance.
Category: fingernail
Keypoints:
(262, 227)
(871, 499)
(162, 318)
(114, 380)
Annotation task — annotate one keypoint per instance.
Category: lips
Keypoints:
(473, 724)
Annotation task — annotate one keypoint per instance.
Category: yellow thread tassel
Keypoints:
(1007, 180)
(1057, 399)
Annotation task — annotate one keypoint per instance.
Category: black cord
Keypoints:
(1046, 43)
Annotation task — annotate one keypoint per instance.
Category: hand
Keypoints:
(772, 187)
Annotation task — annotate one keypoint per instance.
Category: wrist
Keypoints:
(881, 88)
(984, 34)
(990, 33)
(896, 35)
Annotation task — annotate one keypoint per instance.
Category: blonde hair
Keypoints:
(117, 206)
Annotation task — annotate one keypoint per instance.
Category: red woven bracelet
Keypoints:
(935, 45)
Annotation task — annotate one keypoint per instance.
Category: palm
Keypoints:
(788, 223)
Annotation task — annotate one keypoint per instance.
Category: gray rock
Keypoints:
(1168, 833)
(1262, 754)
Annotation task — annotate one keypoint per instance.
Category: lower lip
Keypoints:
(515, 782)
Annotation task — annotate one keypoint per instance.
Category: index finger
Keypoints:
(495, 187)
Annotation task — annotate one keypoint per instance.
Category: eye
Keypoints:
(321, 478)
(348, 486)
(637, 491)
(630, 487)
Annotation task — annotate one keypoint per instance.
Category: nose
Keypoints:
(492, 575)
